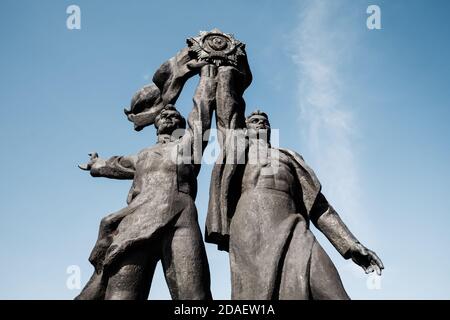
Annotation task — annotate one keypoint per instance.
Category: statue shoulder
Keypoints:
(300, 162)
(291, 153)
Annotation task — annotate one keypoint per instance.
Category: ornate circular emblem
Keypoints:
(216, 47)
(217, 42)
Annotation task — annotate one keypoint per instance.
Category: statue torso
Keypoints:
(157, 171)
(273, 171)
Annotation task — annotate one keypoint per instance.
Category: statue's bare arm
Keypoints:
(199, 120)
(118, 167)
(327, 220)
(169, 81)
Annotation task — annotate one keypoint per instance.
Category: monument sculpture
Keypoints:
(261, 202)
(160, 221)
(273, 253)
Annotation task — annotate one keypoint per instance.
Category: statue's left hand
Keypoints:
(93, 159)
(366, 258)
(196, 65)
(186, 65)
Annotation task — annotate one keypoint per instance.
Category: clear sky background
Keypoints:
(368, 109)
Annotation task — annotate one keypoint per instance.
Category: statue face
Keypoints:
(168, 121)
(258, 125)
(258, 122)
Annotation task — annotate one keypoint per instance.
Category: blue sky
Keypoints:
(368, 110)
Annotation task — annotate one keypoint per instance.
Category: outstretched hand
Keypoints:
(93, 158)
(366, 258)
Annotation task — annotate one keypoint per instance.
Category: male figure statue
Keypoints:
(160, 221)
(273, 253)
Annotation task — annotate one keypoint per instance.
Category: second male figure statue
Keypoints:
(273, 197)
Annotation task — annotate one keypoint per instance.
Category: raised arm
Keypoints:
(118, 167)
(327, 220)
(199, 120)
(169, 81)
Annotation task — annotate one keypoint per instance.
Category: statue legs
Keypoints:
(184, 263)
(130, 279)
(94, 289)
(324, 280)
(308, 272)
(182, 252)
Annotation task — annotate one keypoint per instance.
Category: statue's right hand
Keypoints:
(93, 158)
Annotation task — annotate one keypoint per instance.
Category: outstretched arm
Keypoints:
(118, 167)
(327, 220)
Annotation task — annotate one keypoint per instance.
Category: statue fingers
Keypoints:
(195, 64)
(377, 269)
(369, 269)
(364, 268)
(85, 167)
(376, 260)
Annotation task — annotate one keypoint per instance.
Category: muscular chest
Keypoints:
(273, 171)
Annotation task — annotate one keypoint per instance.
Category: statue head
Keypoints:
(258, 125)
(169, 120)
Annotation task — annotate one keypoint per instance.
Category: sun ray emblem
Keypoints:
(216, 47)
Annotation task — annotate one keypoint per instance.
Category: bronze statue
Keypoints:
(261, 203)
(160, 221)
(273, 253)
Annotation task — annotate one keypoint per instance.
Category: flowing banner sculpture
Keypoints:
(260, 209)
